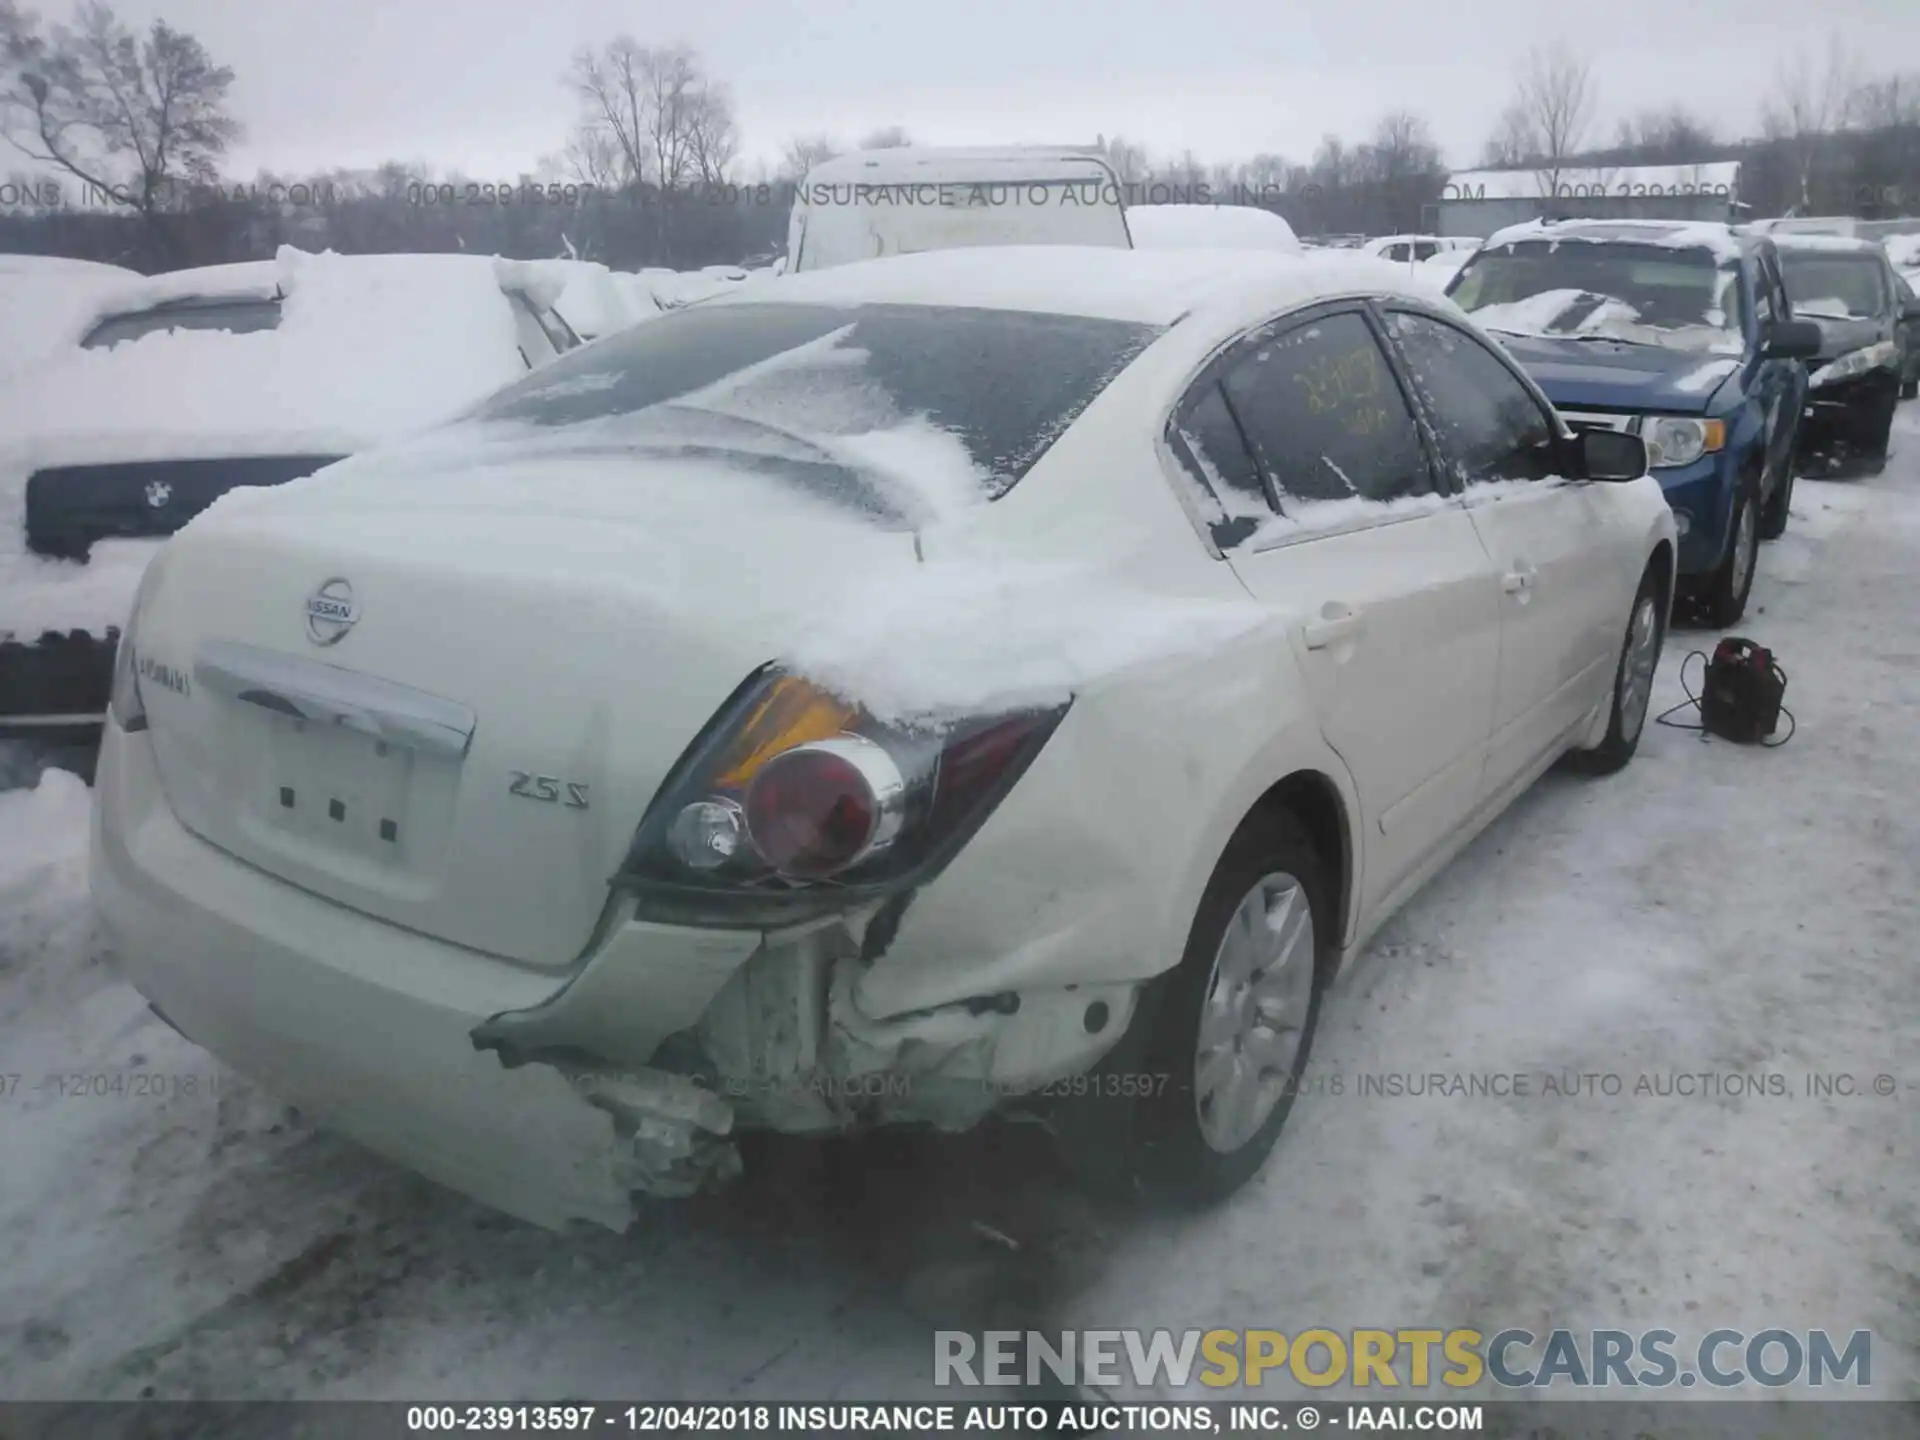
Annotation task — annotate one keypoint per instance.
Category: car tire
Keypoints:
(1778, 509)
(1910, 389)
(1196, 1136)
(1632, 683)
(1723, 599)
(1879, 435)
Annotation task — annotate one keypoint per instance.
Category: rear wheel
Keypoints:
(1230, 1029)
(1632, 684)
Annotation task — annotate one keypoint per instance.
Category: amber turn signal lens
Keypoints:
(794, 712)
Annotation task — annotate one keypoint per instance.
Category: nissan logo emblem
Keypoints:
(331, 612)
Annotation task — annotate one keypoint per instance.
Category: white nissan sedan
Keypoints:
(877, 696)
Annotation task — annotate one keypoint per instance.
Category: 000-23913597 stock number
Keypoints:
(639, 1419)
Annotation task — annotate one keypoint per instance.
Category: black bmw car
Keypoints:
(1849, 288)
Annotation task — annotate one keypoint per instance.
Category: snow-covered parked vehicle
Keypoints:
(1437, 271)
(1211, 227)
(190, 384)
(1414, 249)
(46, 302)
(866, 699)
(875, 203)
(1849, 288)
(1678, 331)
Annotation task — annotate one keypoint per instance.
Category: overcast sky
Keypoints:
(476, 84)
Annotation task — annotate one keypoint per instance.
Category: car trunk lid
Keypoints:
(448, 702)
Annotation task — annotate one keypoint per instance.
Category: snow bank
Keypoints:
(1188, 227)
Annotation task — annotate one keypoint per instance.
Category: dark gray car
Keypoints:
(1850, 289)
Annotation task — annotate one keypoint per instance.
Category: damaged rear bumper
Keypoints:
(635, 1076)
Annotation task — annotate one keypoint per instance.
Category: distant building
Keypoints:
(1479, 202)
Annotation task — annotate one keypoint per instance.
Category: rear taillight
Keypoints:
(795, 802)
(821, 808)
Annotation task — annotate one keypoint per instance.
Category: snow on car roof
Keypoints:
(1152, 287)
(1680, 234)
(1844, 244)
(250, 277)
(958, 163)
(367, 346)
(1209, 227)
(63, 265)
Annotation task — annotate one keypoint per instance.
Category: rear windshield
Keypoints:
(868, 404)
(235, 317)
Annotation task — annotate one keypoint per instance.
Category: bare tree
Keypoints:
(649, 115)
(1128, 161)
(593, 156)
(1810, 102)
(652, 124)
(1403, 148)
(1556, 97)
(803, 152)
(1883, 102)
(1266, 172)
(1186, 174)
(713, 140)
(1513, 142)
(887, 137)
(1672, 136)
(1335, 167)
(135, 117)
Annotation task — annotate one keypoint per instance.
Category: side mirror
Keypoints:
(1793, 340)
(1610, 455)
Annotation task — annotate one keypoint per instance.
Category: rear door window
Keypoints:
(1325, 415)
(1218, 454)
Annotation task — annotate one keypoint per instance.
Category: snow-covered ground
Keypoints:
(168, 1229)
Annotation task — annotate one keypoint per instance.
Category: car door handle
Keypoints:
(1518, 580)
(1336, 623)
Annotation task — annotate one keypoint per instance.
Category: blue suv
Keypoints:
(1680, 333)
